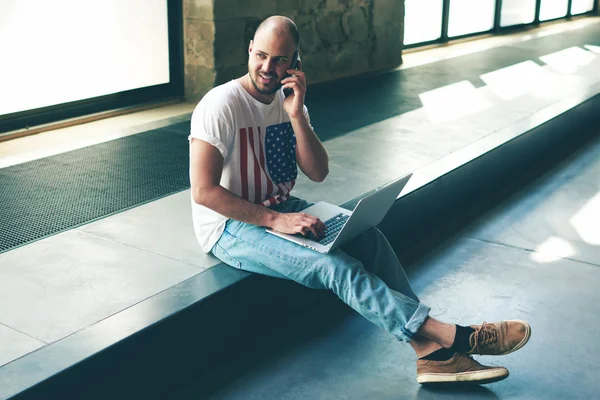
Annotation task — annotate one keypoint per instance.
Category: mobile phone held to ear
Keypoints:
(293, 65)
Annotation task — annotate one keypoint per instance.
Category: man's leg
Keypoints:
(377, 256)
(441, 347)
(423, 346)
(251, 248)
(395, 309)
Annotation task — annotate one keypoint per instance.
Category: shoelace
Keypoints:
(485, 334)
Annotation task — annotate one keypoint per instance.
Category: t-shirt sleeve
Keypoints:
(209, 124)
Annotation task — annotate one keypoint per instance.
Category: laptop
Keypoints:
(344, 225)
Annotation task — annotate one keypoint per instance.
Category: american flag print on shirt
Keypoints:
(280, 146)
(268, 163)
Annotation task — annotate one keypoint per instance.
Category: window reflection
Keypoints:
(585, 221)
(567, 61)
(470, 16)
(423, 21)
(592, 48)
(516, 12)
(511, 82)
(452, 102)
(552, 249)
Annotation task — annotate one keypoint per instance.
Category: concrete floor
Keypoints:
(536, 256)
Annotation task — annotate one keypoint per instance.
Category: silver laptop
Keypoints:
(343, 225)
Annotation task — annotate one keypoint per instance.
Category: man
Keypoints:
(247, 139)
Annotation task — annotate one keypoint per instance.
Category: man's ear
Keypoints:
(250, 47)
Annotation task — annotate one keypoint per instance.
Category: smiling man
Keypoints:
(266, 79)
(247, 140)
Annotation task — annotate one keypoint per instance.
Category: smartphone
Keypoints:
(293, 65)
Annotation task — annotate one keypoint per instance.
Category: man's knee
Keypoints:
(335, 271)
(366, 245)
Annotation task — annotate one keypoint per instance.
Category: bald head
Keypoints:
(279, 25)
(270, 55)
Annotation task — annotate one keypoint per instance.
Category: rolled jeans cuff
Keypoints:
(415, 322)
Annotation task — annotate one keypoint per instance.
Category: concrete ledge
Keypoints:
(186, 331)
(457, 188)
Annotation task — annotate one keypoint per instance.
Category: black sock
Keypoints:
(461, 340)
(442, 354)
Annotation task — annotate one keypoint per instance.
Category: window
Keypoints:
(67, 50)
(581, 6)
(423, 21)
(441, 20)
(470, 16)
(516, 12)
(552, 9)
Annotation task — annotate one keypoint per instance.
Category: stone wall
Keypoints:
(198, 48)
(339, 38)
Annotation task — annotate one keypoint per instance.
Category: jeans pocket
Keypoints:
(224, 256)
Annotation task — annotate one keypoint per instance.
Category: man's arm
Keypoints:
(205, 175)
(311, 156)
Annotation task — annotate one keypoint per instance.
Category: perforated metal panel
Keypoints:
(43, 197)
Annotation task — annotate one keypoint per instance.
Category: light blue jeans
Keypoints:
(365, 274)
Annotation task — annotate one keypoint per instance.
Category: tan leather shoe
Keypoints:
(499, 338)
(460, 368)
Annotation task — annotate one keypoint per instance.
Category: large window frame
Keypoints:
(497, 28)
(174, 89)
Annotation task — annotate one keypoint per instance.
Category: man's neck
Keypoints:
(247, 84)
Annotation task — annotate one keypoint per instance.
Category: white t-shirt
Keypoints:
(258, 146)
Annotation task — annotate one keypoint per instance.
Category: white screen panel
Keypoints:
(470, 16)
(516, 12)
(68, 50)
(422, 21)
(581, 6)
(551, 9)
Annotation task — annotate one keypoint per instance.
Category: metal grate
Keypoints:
(44, 197)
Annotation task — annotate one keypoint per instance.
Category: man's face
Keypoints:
(270, 56)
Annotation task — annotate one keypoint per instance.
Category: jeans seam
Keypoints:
(268, 250)
(406, 332)
(237, 238)
(238, 262)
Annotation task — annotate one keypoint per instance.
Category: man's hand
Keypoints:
(294, 103)
(292, 223)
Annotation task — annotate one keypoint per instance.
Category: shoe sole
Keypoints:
(476, 377)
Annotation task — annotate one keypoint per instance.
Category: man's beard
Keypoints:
(261, 91)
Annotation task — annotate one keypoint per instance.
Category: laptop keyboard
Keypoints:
(334, 226)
